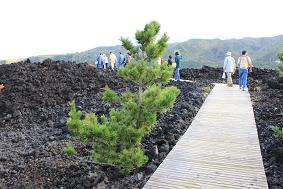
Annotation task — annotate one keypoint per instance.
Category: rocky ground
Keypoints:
(266, 91)
(33, 131)
(205, 74)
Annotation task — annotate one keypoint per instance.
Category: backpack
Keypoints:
(244, 62)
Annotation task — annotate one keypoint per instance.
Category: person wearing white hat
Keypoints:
(229, 68)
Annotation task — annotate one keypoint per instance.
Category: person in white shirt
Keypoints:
(244, 63)
(159, 60)
(229, 68)
(113, 60)
(105, 61)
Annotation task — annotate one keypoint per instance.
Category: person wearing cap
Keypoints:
(229, 68)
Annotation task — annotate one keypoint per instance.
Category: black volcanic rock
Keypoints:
(33, 113)
(267, 100)
(33, 133)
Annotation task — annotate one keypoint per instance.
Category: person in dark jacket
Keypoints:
(121, 60)
(170, 60)
(178, 59)
(99, 61)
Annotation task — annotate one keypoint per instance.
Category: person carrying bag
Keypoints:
(245, 66)
(229, 68)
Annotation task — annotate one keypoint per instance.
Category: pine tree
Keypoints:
(116, 139)
(69, 149)
(148, 47)
(147, 74)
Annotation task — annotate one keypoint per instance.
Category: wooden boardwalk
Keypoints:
(219, 150)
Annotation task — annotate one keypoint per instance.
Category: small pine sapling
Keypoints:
(74, 119)
(278, 132)
(110, 96)
(69, 149)
(116, 139)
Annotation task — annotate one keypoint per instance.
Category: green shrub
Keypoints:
(278, 132)
(129, 158)
(280, 56)
(110, 96)
(74, 119)
(280, 70)
(69, 149)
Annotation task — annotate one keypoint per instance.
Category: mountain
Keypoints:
(197, 52)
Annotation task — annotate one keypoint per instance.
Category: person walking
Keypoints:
(178, 59)
(113, 60)
(120, 60)
(128, 59)
(105, 61)
(170, 60)
(229, 68)
(99, 64)
(244, 63)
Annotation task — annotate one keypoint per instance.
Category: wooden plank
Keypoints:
(219, 150)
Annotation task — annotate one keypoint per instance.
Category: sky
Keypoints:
(41, 27)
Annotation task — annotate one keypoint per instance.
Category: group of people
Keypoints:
(244, 64)
(113, 62)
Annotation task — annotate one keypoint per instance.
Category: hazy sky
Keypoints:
(34, 27)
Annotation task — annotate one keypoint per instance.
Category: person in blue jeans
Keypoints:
(99, 61)
(244, 64)
(178, 59)
(120, 60)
